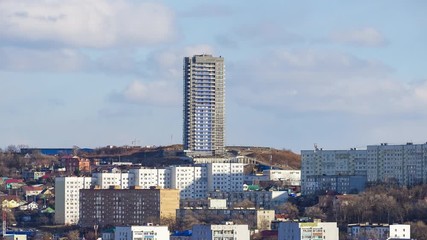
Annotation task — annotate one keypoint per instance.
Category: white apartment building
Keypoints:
(67, 198)
(105, 180)
(146, 177)
(308, 230)
(337, 170)
(191, 181)
(220, 232)
(225, 177)
(291, 177)
(403, 164)
(142, 233)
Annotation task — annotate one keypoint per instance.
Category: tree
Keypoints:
(289, 209)
(47, 236)
(170, 222)
(244, 204)
(315, 213)
(73, 235)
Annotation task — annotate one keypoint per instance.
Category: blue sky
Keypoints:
(340, 74)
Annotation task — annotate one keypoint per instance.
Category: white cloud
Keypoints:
(81, 23)
(313, 81)
(162, 85)
(54, 60)
(366, 36)
(158, 93)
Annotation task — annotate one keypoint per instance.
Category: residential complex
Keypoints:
(346, 171)
(204, 105)
(119, 207)
(191, 181)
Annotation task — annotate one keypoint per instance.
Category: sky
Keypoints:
(339, 74)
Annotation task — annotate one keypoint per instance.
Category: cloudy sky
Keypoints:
(93, 73)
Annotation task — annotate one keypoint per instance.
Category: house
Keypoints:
(32, 190)
(12, 202)
(29, 206)
(14, 183)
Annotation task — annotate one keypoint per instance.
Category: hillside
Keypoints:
(168, 155)
(284, 159)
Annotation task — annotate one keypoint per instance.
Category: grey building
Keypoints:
(204, 105)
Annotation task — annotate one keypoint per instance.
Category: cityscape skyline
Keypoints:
(340, 74)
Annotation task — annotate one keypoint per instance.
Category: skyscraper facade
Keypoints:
(204, 105)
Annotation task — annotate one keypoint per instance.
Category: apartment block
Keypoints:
(122, 179)
(402, 164)
(192, 181)
(227, 177)
(405, 165)
(149, 177)
(332, 170)
(119, 207)
(67, 198)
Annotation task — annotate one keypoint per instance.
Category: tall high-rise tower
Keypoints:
(204, 105)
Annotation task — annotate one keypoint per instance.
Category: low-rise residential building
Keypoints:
(75, 163)
(32, 190)
(400, 231)
(149, 231)
(260, 199)
(255, 218)
(382, 231)
(289, 177)
(221, 232)
(133, 206)
(365, 231)
(308, 230)
(334, 183)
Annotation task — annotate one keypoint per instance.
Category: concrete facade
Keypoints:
(204, 105)
(227, 177)
(120, 207)
(67, 198)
